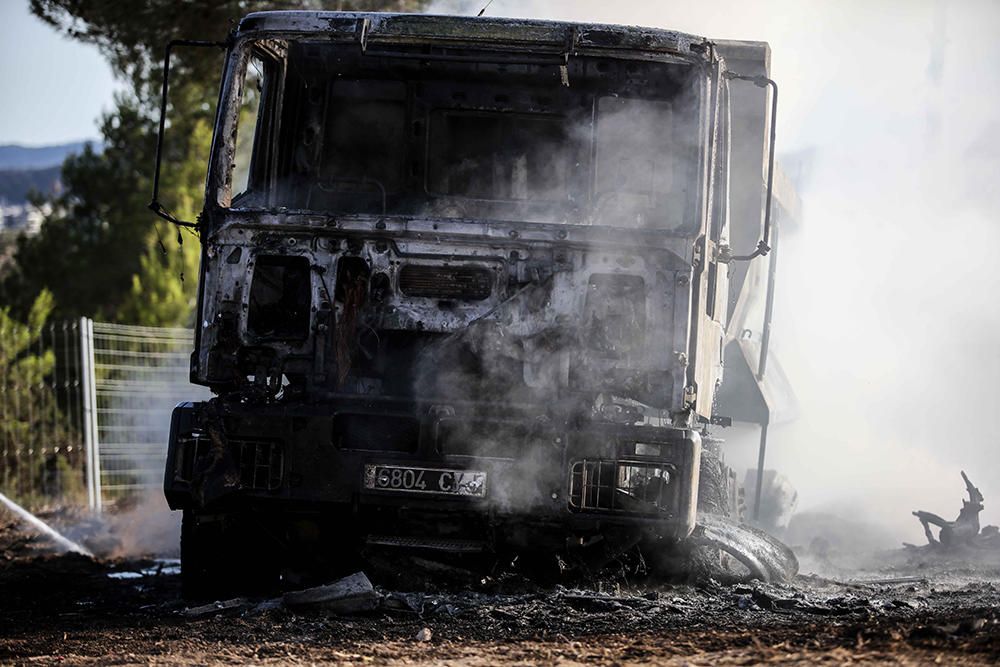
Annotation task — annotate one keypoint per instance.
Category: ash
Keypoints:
(904, 605)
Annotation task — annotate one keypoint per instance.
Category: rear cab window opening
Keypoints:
(341, 132)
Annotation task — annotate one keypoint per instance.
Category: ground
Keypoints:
(916, 609)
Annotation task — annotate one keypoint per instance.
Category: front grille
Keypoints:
(622, 486)
(466, 283)
(261, 463)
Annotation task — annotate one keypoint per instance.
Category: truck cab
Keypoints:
(464, 287)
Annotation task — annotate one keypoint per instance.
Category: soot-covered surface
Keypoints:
(71, 610)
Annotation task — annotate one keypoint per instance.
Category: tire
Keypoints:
(226, 558)
(197, 571)
(718, 491)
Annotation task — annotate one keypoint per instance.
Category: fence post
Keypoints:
(90, 432)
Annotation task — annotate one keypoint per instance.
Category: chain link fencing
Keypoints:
(42, 452)
(140, 374)
(85, 410)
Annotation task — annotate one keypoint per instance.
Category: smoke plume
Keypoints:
(886, 318)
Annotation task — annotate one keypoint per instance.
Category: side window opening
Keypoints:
(718, 274)
(713, 280)
(720, 205)
(252, 146)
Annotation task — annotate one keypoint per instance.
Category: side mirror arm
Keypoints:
(764, 244)
(154, 205)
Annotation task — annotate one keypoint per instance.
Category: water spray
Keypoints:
(44, 528)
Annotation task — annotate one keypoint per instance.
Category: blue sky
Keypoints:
(53, 89)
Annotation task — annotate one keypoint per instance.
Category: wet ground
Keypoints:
(910, 608)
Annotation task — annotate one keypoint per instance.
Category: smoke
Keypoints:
(147, 529)
(141, 375)
(886, 315)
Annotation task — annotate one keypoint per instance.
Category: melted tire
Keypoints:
(767, 558)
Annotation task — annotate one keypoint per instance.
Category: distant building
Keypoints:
(22, 218)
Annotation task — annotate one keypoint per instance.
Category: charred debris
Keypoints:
(962, 534)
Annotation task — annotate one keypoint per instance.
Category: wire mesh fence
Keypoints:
(85, 409)
(41, 413)
(140, 374)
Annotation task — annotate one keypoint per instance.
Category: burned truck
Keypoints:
(464, 288)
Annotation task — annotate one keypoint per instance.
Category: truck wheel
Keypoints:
(225, 558)
(198, 580)
(718, 492)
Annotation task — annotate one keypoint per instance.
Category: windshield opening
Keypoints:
(349, 133)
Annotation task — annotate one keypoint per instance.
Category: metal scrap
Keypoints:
(349, 595)
(964, 530)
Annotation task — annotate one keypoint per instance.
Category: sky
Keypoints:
(53, 89)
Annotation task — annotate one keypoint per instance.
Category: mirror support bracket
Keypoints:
(154, 204)
(764, 244)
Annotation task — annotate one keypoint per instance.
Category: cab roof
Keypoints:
(477, 32)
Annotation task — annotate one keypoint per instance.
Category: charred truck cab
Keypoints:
(464, 287)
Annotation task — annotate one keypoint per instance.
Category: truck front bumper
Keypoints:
(396, 466)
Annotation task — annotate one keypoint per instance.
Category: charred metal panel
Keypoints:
(378, 30)
(615, 328)
(446, 282)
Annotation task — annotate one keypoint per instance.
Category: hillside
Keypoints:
(27, 168)
(14, 156)
(15, 184)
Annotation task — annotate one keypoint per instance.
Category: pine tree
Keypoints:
(99, 252)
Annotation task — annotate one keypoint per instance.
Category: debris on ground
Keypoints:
(234, 605)
(910, 610)
(964, 530)
(350, 595)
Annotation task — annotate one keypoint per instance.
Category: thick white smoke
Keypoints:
(887, 315)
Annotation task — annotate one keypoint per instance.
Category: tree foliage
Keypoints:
(101, 251)
(22, 370)
(38, 444)
(89, 247)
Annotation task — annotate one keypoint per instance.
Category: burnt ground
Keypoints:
(68, 609)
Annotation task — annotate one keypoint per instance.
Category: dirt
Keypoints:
(920, 608)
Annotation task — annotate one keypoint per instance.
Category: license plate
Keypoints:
(449, 482)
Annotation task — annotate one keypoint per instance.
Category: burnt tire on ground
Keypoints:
(745, 549)
(722, 547)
